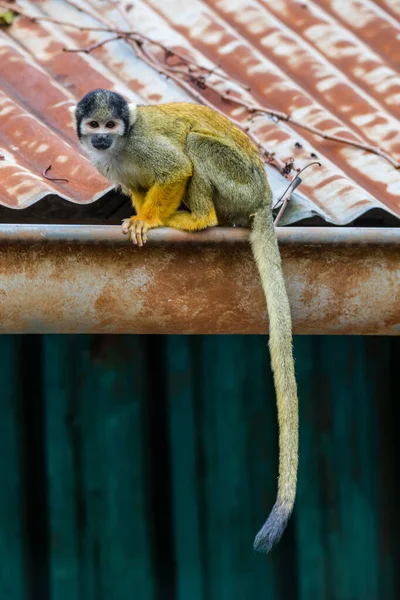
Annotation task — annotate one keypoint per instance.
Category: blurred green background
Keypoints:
(143, 466)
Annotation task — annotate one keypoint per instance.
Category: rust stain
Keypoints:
(333, 65)
(177, 289)
(355, 59)
(370, 24)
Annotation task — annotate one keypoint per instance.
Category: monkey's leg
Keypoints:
(199, 200)
(137, 199)
(191, 222)
(161, 201)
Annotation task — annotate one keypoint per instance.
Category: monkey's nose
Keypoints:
(101, 141)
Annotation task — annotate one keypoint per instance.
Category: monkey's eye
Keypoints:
(110, 125)
(93, 124)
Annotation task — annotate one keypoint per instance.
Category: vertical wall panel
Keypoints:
(336, 513)
(381, 379)
(63, 467)
(222, 449)
(186, 472)
(101, 528)
(13, 575)
(137, 466)
(350, 455)
(235, 504)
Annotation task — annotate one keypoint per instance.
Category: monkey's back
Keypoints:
(199, 119)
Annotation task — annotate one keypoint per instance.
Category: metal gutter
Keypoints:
(111, 234)
(77, 279)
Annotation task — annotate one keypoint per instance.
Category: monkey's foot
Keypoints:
(137, 229)
(187, 221)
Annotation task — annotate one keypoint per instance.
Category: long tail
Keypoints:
(267, 256)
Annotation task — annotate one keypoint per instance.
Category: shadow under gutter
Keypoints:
(90, 279)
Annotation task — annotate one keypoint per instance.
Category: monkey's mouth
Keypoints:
(101, 142)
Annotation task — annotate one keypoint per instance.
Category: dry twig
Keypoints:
(57, 179)
(289, 190)
(196, 75)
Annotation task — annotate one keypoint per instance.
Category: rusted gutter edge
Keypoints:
(111, 234)
(90, 279)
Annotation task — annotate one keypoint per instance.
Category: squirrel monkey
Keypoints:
(167, 154)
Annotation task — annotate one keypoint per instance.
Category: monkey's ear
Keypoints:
(132, 112)
(72, 111)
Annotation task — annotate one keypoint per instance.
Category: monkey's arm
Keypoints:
(161, 201)
(137, 199)
(169, 168)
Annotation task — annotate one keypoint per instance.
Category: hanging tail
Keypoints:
(267, 256)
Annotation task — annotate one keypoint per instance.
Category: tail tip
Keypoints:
(271, 532)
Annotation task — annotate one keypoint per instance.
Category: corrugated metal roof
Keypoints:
(331, 64)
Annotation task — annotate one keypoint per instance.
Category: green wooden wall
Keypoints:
(141, 467)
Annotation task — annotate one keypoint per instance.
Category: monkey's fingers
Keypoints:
(141, 230)
(135, 234)
(126, 225)
(132, 233)
(130, 226)
(144, 233)
(137, 231)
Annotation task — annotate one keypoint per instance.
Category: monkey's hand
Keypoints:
(137, 228)
(161, 202)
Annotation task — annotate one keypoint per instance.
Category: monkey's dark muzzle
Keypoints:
(101, 141)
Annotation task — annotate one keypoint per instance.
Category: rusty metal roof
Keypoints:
(331, 64)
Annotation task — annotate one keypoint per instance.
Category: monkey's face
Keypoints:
(101, 135)
(102, 120)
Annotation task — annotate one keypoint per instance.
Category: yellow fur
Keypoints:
(137, 199)
(189, 222)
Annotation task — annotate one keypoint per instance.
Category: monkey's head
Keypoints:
(102, 120)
